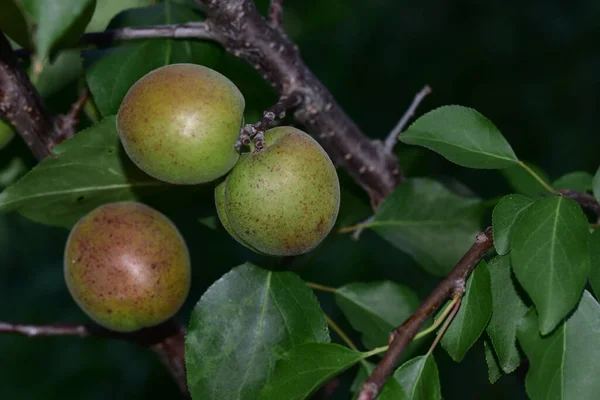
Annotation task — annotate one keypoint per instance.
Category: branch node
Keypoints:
(255, 132)
(451, 286)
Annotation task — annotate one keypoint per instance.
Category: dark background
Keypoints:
(529, 66)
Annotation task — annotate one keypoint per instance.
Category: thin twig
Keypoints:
(190, 30)
(454, 284)
(276, 14)
(256, 131)
(45, 330)
(166, 340)
(392, 137)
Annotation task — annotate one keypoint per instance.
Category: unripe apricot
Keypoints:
(282, 200)
(179, 123)
(127, 266)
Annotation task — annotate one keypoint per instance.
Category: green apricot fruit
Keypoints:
(127, 266)
(283, 200)
(179, 123)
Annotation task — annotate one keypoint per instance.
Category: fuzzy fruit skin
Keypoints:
(179, 123)
(285, 199)
(127, 266)
(222, 214)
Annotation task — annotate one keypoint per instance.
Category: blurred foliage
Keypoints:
(531, 68)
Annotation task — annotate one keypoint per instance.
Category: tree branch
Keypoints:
(392, 137)
(454, 284)
(190, 30)
(241, 30)
(21, 104)
(278, 110)
(246, 34)
(166, 340)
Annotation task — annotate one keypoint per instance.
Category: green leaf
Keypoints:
(60, 23)
(596, 185)
(504, 218)
(429, 222)
(523, 182)
(473, 315)
(90, 171)
(305, 368)
(463, 136)
(242, 324)
(494, 371)
(107, 9)
(507, 311)
(110, 77)
(564, 365)
(64, 69)
(550, 257)
(15, 22)
(376, 308)
(595, 261)
(391, 389)
(6, 133)
(419, 378)
(579, 180)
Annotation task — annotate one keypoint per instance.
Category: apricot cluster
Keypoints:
(126, 265)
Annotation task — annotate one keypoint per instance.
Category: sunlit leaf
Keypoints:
(240, 327)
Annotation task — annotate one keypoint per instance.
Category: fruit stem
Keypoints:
(537, 177)
(340, 332)
(322, 288)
